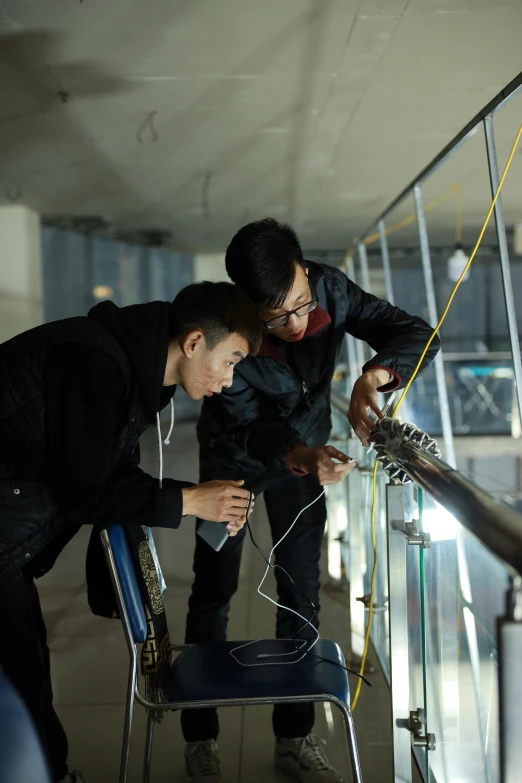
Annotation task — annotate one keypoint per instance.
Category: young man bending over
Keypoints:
(270, 428)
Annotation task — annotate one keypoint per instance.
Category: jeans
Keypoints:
(216, 581)
(24, 656)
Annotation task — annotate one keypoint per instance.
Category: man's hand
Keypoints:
(218, 501)
(319, 462)
(364, 399)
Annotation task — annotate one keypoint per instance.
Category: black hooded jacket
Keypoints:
(75, 397)
(281, 397)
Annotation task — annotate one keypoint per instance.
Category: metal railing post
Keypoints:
(359, 347)
(510, 684)
(385, 255)
(433, 317)
(507, 282)
(398, 614)
(365, 272)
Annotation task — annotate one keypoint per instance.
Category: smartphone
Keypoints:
(214, 533)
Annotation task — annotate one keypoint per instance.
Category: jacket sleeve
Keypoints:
(253, 425)
(397, 337)
(85, 411)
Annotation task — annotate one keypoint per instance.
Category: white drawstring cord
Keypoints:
(167, 439)
(281, 606)
(160, 446)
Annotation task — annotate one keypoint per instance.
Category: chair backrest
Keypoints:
(130, 588)
(21, 755)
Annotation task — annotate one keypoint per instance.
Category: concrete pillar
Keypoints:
(21, 289)
(210, 266)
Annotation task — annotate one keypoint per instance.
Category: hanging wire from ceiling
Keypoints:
(455, 189)
(148, 123)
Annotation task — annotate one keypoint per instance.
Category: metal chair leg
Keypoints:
(352, 743)
(148, 747)
(127, 726)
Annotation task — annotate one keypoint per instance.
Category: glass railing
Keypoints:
(438, 595)
(480, 395)
(447, 604)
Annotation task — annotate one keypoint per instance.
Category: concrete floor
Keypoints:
(89, 660)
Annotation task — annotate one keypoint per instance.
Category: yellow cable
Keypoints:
(419, 363)
(407, 221)
(461, 278)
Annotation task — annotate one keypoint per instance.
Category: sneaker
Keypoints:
(73, 777)
(305, 759)
(203, 762)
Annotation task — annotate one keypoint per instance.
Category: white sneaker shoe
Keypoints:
(73, 777)
(305, 759)
(202, 760)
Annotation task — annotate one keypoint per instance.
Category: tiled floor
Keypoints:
(89, 659)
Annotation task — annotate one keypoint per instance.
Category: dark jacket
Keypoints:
(75, 396)
(281, 397)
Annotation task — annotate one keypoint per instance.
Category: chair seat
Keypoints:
(206, 672)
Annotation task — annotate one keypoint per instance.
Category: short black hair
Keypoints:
(261, 259)
(219, 310)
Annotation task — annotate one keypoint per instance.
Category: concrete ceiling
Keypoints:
(196, 116)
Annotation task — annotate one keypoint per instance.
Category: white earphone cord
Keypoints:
(281, 606)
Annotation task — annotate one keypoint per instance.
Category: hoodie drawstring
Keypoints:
(166, 441)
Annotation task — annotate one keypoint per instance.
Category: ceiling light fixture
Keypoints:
(458, 259)
(456, 263)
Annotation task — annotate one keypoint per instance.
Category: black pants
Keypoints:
(216, 581)
(24, 656)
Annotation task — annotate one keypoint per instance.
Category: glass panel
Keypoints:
(380, 624)
(416, 621)
(464, 593)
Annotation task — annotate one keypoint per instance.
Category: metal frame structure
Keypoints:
(501, 99)
(499, 529)
(483, 119)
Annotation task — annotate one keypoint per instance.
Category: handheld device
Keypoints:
(214, 533)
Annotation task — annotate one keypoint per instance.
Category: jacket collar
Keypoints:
(318, 320)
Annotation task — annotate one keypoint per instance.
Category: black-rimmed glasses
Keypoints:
(304, 309)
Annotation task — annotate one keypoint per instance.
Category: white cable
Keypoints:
(281, 606)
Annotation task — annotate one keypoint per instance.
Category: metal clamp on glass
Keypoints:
(415, 538)
(365, 600)
(418, 739)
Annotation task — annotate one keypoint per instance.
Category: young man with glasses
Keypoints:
(271, 427)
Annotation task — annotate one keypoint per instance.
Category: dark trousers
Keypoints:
(216, 581)
(24, 656)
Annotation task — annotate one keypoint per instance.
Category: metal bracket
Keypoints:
(415, 538)
(418, 739)
(365, 600)
(411, 531)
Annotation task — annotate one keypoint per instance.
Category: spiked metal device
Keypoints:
(391, 433)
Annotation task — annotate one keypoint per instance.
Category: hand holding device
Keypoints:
(326, 463)
(218, 501)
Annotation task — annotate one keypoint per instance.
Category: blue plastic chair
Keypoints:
(21, 754)
(206, 675)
